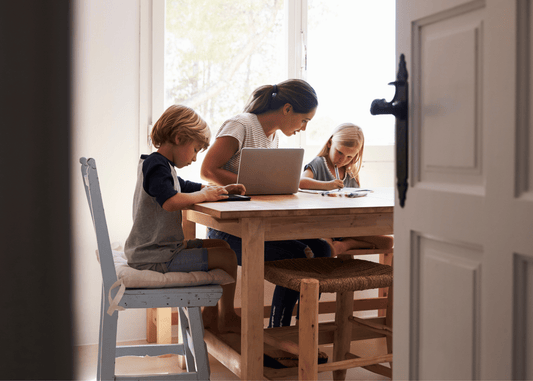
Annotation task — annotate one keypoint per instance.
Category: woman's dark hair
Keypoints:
(298, 93)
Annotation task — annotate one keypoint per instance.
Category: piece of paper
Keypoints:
(343, 192)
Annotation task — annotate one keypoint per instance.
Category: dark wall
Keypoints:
(35, 243)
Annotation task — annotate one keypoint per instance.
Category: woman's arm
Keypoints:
(219, 154)
(309, 182)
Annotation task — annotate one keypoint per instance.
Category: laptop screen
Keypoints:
(270, 171)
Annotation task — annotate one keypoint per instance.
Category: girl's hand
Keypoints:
(213, 192)
(236, 189)
(336, 184)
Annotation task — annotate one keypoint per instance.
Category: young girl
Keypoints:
(286, 107)
(337, 166)
(156, 241)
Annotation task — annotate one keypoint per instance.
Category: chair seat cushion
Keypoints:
(133, 278)
(333, 274)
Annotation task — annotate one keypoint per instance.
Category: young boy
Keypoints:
(156, 241)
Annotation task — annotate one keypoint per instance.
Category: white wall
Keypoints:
(378, 167)
(105, 127)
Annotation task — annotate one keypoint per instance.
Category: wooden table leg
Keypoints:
(159, 325)
(151, 328)
(189, 227)
(252, 295)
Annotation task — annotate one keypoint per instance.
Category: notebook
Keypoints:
(270, 170)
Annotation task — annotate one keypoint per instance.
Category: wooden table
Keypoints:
(271, 218)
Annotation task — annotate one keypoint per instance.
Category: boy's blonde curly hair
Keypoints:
(180, 122)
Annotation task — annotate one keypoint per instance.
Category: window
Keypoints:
(351, 58)
(218, 52)
(211, 55)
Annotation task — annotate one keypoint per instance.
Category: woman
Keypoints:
(287, 107)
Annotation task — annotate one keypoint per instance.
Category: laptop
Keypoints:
(269, 171)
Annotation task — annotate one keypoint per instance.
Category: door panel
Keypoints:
(464, 240)
(523, 305)
(450, 129)
(436, 263)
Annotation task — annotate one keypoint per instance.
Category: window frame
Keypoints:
(151, 86)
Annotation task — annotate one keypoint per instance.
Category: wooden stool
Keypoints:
(342, 276)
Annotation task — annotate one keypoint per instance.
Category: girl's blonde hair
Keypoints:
(297, 92)
(183, 123)
(348, 135)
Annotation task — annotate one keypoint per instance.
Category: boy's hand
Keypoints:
(236, 189)
(214, 192)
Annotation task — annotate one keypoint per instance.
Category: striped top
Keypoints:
(249, 132)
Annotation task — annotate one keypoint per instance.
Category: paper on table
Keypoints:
(344, 192)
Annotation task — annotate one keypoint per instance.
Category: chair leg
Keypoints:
(187, 341)
(107, 343)
(308, 330)
(100, 338)
(200, 349)
(343, 333)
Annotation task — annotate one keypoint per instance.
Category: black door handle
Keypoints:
(399, 108)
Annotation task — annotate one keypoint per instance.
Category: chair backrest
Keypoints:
(96, 206)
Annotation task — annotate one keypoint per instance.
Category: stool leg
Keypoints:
(388, 321)
(308, 330)
(343, 333)
(384, 259)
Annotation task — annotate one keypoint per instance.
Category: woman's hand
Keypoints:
(236, 189)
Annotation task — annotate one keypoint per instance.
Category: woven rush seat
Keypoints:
(333, 274)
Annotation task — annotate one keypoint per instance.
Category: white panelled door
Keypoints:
(464, 240)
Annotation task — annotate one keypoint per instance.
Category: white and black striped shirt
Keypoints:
(249, 132)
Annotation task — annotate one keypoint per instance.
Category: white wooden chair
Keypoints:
(189, 300)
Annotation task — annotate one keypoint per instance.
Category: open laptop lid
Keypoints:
(270, 170)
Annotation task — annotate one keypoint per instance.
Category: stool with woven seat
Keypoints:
(342, 276)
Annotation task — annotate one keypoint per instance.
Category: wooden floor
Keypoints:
(85, 357)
